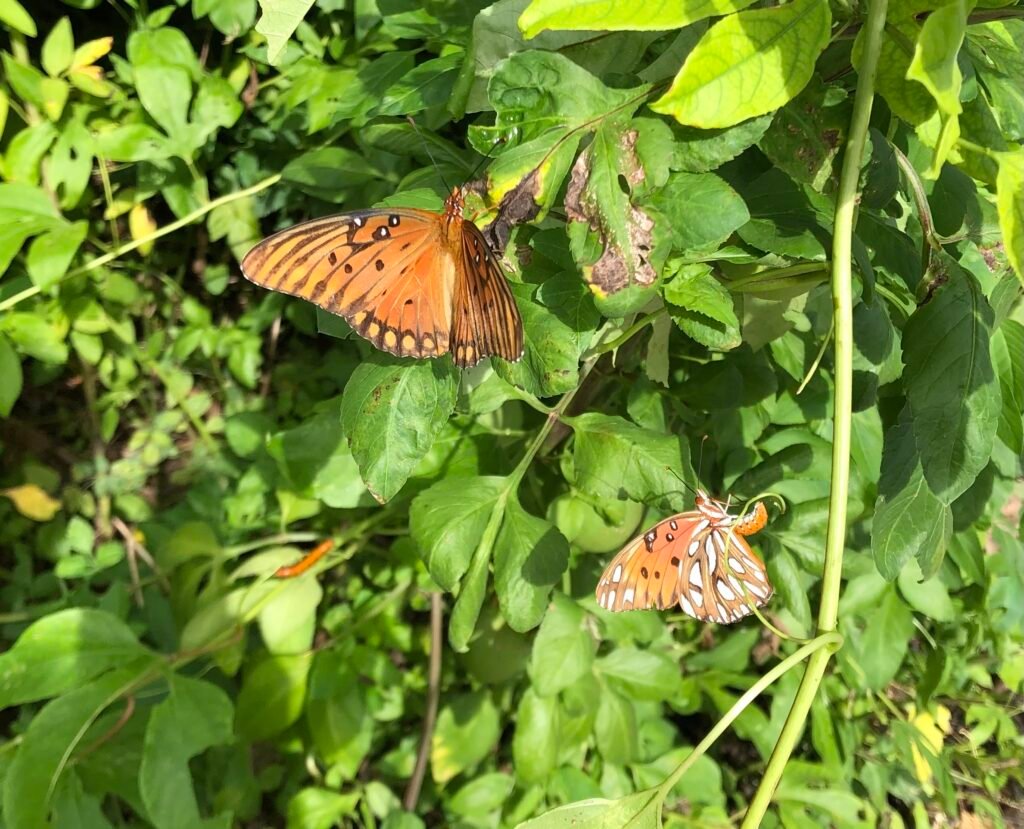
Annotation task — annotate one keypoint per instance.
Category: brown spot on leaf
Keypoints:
(616, 268)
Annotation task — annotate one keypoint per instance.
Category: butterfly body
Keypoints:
(415, 283)
(698, 559)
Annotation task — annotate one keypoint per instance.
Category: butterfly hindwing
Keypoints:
(486, 318)
(698, 560)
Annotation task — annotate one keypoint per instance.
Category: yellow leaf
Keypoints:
(141, 225)
(89, 79)
(32, 501)
(931, 727)
(91, 52)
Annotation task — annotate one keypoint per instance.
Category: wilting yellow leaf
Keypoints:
(141, 225)
(32, 501)
(91, 52)
(931, 727)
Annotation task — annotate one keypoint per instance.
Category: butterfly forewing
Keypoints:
(373, 268)
(697, 559)
(412, 282)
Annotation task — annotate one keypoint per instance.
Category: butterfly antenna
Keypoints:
(680, 478)
(430, 155)
(485, 159)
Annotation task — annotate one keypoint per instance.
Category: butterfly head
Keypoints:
(454, 203)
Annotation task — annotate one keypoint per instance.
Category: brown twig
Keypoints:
(110, 733)
(136, 548)
(275, 333)
(412, 793)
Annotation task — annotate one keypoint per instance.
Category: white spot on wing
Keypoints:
(734, 563)
(698, 599)
(686, 606)
(617, 574)
(694, 546)
(757, 590)
(695, 578)
(724, 591)
(628, 595)
(709, 548)
(611, 599)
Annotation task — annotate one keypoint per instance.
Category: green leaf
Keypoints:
(615, 459)
(337, 714)
(1008, 362)
(703, 308)
(637, 811)
(786, 218)
(194, 717)
(907, 99)
(935, 66)
(13, 14)
(701, 209)
(1005, 598)
(951, 386)
(448, 520)
(313, 808)
(698, 151)
(63, 651)
(10, 381)
(552, 343)
(927, 596)
(615, 15)
(482, 796)
(910, 521)
(467, 730)
(1010, 204)
(535, 745)
(288, 620)
(934, 63)
(428, 84)
(527, 90)
(51, 253)
(530, 556)
(272, 696)
(277, 23)
(645, 675)
(748, 64)
(615, 729)
(880, 649)
(328, 172)
(43, 751)
(806, 135)
(563, 649)
(58, 48)
(165, 92)
(596, 198)
(392, 411)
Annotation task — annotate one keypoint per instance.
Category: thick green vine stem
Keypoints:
(842, 301)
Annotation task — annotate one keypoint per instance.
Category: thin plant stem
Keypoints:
(827, 640)
(630, 332)
(128, 247)
(842, 302)
(412, 792)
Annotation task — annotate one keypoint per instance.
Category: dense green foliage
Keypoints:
(663, 180)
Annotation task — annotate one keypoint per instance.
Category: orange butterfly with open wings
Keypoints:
(699, 559)
(415, 283)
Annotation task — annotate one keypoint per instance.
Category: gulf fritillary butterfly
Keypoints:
(415, 283)
(700, 559)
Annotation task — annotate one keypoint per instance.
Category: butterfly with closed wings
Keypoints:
(415, 283)
(699, 559)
